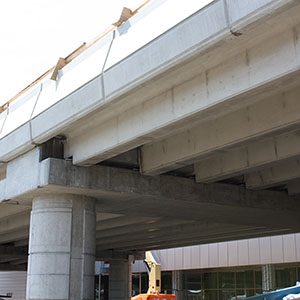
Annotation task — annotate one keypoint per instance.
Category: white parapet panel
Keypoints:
(165, 50)
(156, 18)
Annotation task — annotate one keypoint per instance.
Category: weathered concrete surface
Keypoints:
(62, 248)
(275, 175)
(253, 157)
(189, 212)
(260, 120)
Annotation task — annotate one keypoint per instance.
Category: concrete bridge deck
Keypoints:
(185, 135)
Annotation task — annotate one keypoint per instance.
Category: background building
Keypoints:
(217, 271)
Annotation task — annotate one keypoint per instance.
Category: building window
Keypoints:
(225, 283)
(210, 280)
(166, 282)
(222, 284)
(227, 280)
(285, 277)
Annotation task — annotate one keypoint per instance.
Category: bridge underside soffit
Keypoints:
(137, 212)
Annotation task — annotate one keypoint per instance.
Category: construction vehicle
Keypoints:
(154, 288)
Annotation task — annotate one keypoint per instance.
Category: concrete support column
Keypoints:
(62, 248)
(177, 284)
(120, 280)
(268, 278)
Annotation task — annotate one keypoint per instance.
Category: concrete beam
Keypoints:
(110, 255)
(209, 212)
(253, 157)
(21, 243)
(6, 259)
(13, 251)
(294, 187)
(176, 197)
(174, 241)
(57, 176)
(120, 222)
(238, 81)
(14, 236)
(277, 175)
(137, 227)
(154, 245)
(19, 261)
(8, 209)
(271, 116)
(15, 222)
(180, 231)
(214, 36)
(111, 182)
(10, 267)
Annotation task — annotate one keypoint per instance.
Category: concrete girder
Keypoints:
(195, 230)
(276, 175)
(195, 211)
(14, 236)
(9, 259)
(15, 222)
(265, 118)
(110, 255)
(253, 157)
(211, 42)
(19, 261)
(240, 80)
(155, 243)
(110, 184)
(176, 197)
(135, 228)
(11, 251)
(10, 267)
(21, 243)
(9, 209)
(118, 222)
(294, 187)
(127, 184)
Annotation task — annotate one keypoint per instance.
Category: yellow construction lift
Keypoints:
(154, 288)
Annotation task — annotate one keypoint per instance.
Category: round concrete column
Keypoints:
(120, 280)
(62, 248)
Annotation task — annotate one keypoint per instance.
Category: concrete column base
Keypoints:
(120, 280)
(62, 248)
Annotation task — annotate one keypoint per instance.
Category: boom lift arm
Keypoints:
(154, 272)
(154, 289)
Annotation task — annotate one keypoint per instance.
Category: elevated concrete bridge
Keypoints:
(185, 134)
